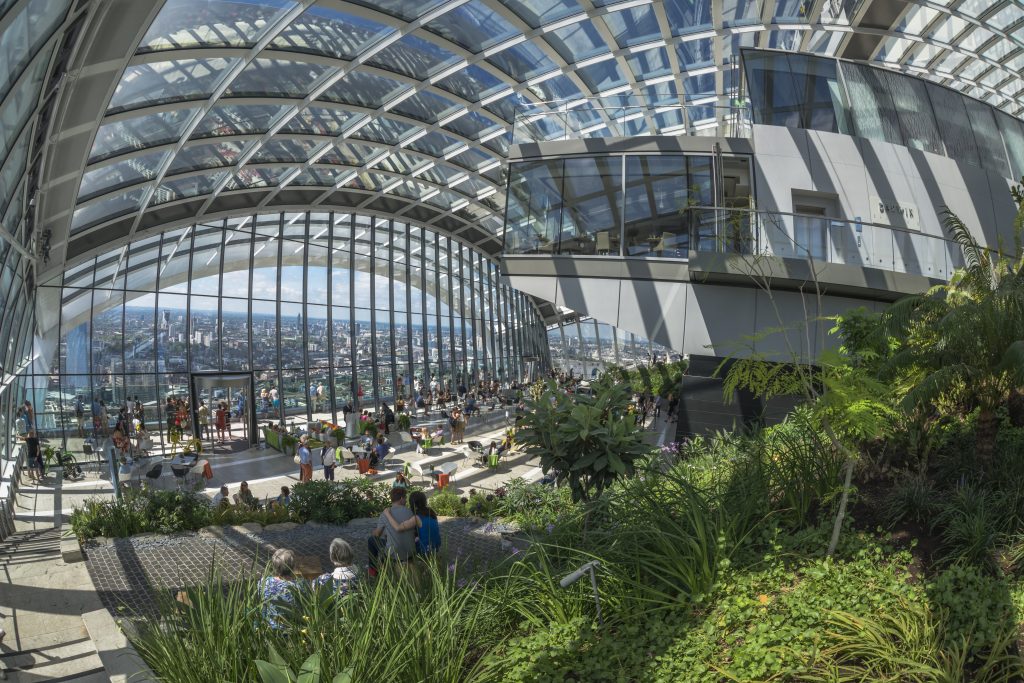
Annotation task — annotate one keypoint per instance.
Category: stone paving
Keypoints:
(129, 573)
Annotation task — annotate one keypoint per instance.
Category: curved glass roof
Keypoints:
(402, 105)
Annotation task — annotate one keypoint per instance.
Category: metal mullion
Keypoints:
(305, 319)
(160, 418)
(220, 297)
(465, 282)
(277, 322)
(330, 318)
(249, 332)
(437, 305)
(451, 305)
(353, 376)
(408, 308)
(424, 330)
(188, 307)
(374, 374)
(391, 310)
(493, 325)
(472, 317)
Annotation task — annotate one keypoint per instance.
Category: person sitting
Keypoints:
(399, 546)
(344, 577)
(471, 408)
(245, 497)
(428, 532)
(222, 499)
(284, 498)
(400, 482)
(276, 591)
(380, 452)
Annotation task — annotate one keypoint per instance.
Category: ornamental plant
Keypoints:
(587, 441)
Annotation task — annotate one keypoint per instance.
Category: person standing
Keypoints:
(305, 460)
(329, 461)
(30, 416)
(204, 420)
(104, 419)
(80, 416)
(34, 457)
(221, 417)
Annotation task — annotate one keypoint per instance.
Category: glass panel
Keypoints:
(171, 81)
(688, 16)
(1013, 138)
(362, 89)
(473, 26)
(954, 124)
(106, 208)
(174, 189)
(210, 155)
(120, 174)
(910, 96)
(326, 31)
(633, 26)
(140, 132)
(472, 84)
(238, 119)
(874, 115)
(276, 78)
(200, 23)
(319, 121)
(25, 35)
(986, 136)
(295, 151)
(425, 107)
(235, 326)
(204, 333)
(414, 57)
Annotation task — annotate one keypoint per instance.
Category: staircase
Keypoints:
(42, 601)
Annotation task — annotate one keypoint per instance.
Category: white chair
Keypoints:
(417, 469)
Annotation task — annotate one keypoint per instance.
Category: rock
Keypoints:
(281, 526)
(70, 550)
(252, 527)
(211, 532)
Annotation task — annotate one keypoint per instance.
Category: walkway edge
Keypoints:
(122, 662)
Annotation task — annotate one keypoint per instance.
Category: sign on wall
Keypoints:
(896, 212)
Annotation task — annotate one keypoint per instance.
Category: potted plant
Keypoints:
(403, 422)
(369, 427)
(339, 434)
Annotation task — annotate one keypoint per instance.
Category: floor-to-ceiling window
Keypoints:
(325, 309)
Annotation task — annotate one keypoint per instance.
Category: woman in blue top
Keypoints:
(277, 591)
(428, 534)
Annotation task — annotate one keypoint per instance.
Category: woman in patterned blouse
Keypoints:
(343, 578)
(278, 591)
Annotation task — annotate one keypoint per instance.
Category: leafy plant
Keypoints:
(912, 498)
(964, 341)
(447, 504)
(587, 441)
(403, 422)
(277, 671)
(337, 502)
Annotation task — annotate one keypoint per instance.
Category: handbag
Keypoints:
(298, 461)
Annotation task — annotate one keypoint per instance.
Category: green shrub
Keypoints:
(533, 506)
(912, 498)
(337, 502)
(977, 610)
(447, 504)
(970, 523)
(403, 422)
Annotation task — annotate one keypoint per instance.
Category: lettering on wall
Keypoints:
(896, 212)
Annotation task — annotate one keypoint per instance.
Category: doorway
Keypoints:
(234, 429)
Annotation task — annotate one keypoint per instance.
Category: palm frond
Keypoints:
(940, 383)
(978, 266)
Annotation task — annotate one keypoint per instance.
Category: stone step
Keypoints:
(64, 655)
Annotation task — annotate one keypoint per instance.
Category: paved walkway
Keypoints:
(42, 601)
(130, 573)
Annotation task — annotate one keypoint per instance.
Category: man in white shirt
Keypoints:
(222, 498)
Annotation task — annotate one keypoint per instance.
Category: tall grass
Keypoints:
(417, 625)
